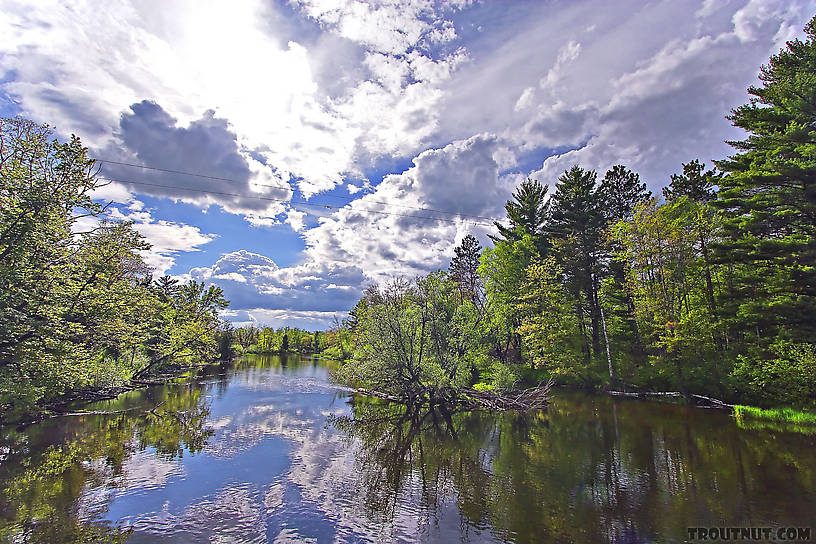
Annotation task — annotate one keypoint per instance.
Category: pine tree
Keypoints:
(695, 182)
(620, 192)
(576, 226)
(527, 213)
(769, 200)
(464, 267)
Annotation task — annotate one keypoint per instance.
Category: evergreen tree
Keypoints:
(576, 226)
(695, 182)
(769, 201)
(620, 192)
(527, 213)
(464, 267)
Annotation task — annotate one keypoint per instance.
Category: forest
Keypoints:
(708, 288)
(592, 281)
(79, 309)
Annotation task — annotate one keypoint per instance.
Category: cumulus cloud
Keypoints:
(357, 246)
(462, 178)
(167, 238)
(274, 77)
(230, 176)
(315, 95)
(253, 282)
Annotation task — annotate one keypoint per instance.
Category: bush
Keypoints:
(503, 377)
(787, 378)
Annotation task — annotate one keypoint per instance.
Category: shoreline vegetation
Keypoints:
(705, 292)
(702, 293)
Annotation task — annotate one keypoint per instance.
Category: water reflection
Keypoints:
(272, 451)
(46, 470)
(589, 470)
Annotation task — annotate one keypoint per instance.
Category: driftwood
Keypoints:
(99, 412)
(536, 398)
(700, 400)
(377, 394)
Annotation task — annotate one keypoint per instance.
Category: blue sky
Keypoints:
(349, 104)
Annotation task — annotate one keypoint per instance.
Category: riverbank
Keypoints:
(778, 415)
(71, 402)
(269, 444)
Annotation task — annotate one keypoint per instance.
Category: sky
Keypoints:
(301, 150)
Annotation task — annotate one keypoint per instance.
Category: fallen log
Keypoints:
(709, 401)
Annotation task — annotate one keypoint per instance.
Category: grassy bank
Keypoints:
(782, 415)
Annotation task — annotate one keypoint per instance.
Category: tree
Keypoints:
(527, 213)
(695, 182)
(549, 327)
(246, 336)
(620, 192)
(576, 227)
(72, 304)
(464, 268)
(664, 265)
(414, 340)
(769, 202)
(79, 309)
(502, 269)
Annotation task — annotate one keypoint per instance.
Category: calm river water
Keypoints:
(272, 451)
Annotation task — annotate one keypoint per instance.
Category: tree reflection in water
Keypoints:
(39, 499)
(588, 470)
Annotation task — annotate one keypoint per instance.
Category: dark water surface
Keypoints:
(271, 451)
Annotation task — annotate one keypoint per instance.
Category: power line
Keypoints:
(298, 202)
(287, 187)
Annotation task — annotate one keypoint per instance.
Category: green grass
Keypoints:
(781, 415)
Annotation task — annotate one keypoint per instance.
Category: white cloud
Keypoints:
(167, 238)
(356, 246)
(315, 94)
(567, 54)
(526, 99)
(190, 58)
(252, 281)
(460, 177)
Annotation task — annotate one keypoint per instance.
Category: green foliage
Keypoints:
(527, 213)
(695, 183)
(576, 228)
(79, 309)
(414, 338)
(283, 340)
(785, 415)
(666, 276)
(769, 202)
(788, 376)
(502, 269)
(464, 268)
(549, 328)
(503, 377)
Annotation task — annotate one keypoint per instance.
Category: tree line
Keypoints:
(708, 288)
(254, 339)
(80, 309)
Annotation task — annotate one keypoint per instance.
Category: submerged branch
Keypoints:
(536, 398)
(700, 400)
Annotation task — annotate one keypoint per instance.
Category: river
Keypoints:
(272, 451)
